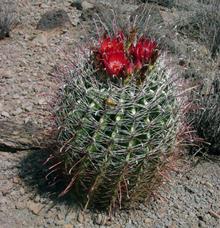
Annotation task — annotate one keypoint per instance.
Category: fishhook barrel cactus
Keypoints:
(118, 121)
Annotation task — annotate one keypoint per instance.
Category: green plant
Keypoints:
(118, 119)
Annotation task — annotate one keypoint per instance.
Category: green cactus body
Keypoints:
(116, 138)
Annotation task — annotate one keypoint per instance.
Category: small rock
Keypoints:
(24, 92)
(117, 226)
(16, 180)
(28, 108)
(22, 191)
(207, 217)
(34, 207)
(80, 218)
(59, 223)
(16, 96)
(1, 107)
(6, 187)
(48, 215)
(71, 216)
(37, 199)
(17, 111)
(214, 214)
(20, 205)
(41, 101)
(100, 219)
(209, 185)
(147, 220)
(53, 19)
(87, 5)
(68, 226)
(202, 224)
(189, 189)
(27, 120)
(173, 225)
(5, 114)
(60, 216)
(40, 40)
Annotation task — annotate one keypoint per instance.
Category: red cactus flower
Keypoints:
(115, 62)
(110, 45)
(144, 49)
(113, 54)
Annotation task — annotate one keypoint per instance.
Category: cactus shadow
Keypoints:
(33, 173)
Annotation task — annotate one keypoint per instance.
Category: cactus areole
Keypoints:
(118, 122)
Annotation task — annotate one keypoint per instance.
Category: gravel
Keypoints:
(189, 199)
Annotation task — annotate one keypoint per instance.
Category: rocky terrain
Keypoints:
(191, 197)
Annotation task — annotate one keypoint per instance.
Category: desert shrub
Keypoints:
(198, 45)
(7, 18)
(118, 117)
(202, 23)
(205, 116)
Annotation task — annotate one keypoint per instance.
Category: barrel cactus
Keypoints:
(118, 121)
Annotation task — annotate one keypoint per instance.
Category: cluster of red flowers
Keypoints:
(120, 57)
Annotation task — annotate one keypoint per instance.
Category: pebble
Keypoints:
(80, 218)
(40, 40)
(16, 96)
(68, 226)
(117, 226)
(1, 107)
(214, 214)
(87, 5)
(48, 215)
(5, 114)
(35, 208)
(60, 216)
(147, 220)
(41, 101)
(100, 219)
(17, 111)
(20, 205)
(28, 108)
(16, 180)
(37, 199)
(22, 191)
(5, 187)
(208, 184)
